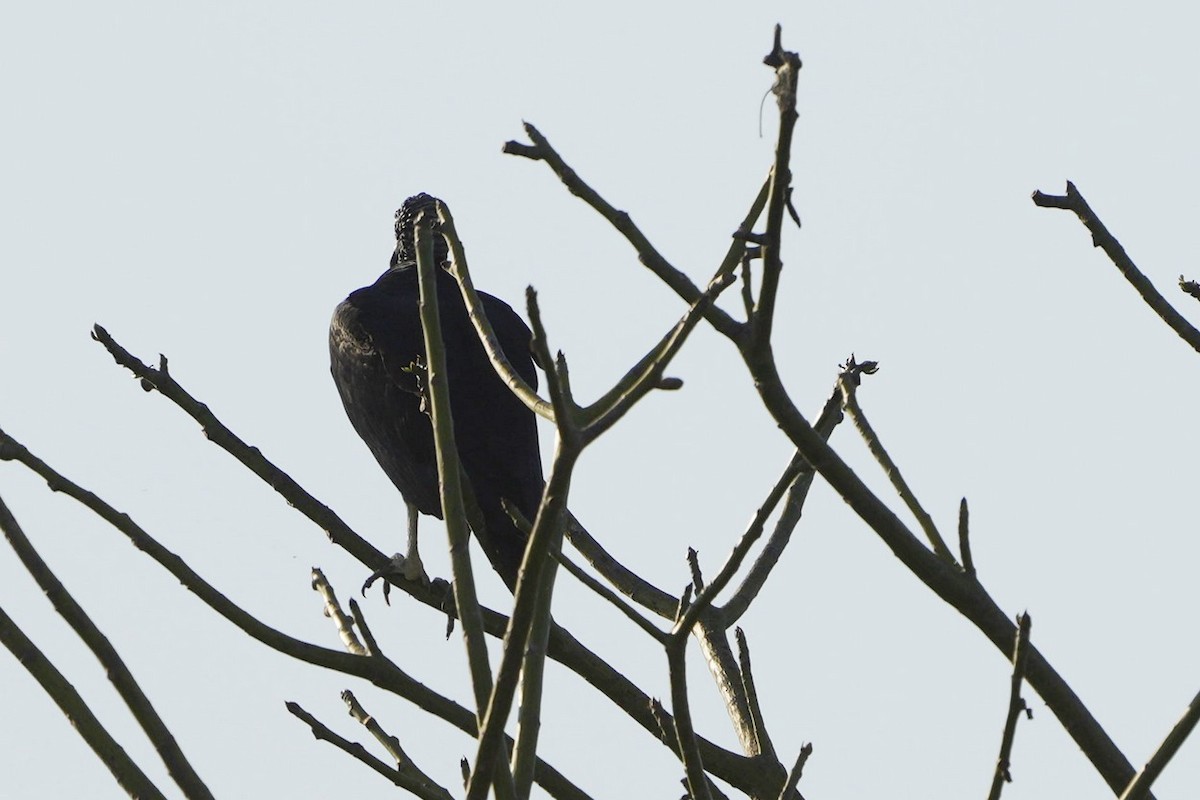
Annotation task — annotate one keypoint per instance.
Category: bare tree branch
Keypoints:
(128, 774)
(380, 671)
(450, 486)
(689, 749)
(405, 766)
(849, 383)
(1073, 201)
(789, 517)
(541, 150)
(797, 770)
(946, 580)
(181, 770)
(964, 538)
(398, 776)
(462, 274)
(751, 692)
(333, 610)
(1016, 705)
(1139, 787)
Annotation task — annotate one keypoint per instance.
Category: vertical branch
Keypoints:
(964, 538)
(1016, 704)
(751, 693)
(533, 670)
(689, 750)
(787, 67)
(448, 469)
(529, 603)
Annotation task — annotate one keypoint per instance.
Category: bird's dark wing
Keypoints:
(495, 433)
(374, 337)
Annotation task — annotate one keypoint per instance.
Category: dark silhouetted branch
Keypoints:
(1139, 787)
(122, 679)
(1073, 201)
(1016, 705)
(398, 776)
(128, 774)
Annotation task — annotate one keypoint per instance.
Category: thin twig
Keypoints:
(789, 517)
(608, 594)
(964, 538)
(1073, 201)
(399, 777)
(647, 254)
(625, 580)
(693, 561)
(797, 770)
(849, 384)
(360, 619)
(404, 763)
(1016, 705)
(1139, 787)
(333, 610)
(647, 374)
(251, 457)
(478, 317)
(706, 596)
(787, 68)
(765, 747)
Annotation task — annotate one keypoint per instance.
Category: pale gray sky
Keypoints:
(208, 182)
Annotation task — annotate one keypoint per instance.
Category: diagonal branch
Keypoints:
(1073, 201)
(793, 504)
(406, 768)
(122, 679)
(541, 150)
(251, 457)
(564, 648)
(462, 274)
(849, 384)
(128, 774)
(1139, 787)
(397, 775)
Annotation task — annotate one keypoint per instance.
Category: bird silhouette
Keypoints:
(376, 349)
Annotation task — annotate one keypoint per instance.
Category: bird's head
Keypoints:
(406, 220)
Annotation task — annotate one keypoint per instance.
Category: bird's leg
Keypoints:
(408, 565)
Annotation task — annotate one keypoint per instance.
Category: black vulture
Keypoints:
(375, 339)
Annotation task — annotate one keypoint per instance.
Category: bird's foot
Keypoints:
(407, 567)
